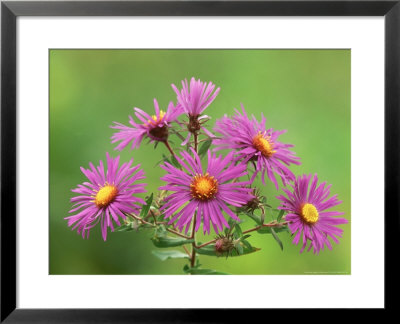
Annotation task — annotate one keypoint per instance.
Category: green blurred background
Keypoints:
(306, 92)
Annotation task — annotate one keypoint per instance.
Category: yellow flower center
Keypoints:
(154, 120)
(105, 196)
(309, 213)
(203, 187)
(263, 144)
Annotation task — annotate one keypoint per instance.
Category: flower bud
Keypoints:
(255, 202)
(224, 244)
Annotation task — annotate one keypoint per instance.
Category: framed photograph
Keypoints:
(191, 155)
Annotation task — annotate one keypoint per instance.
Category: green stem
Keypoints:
(193, 259)
(196, 143)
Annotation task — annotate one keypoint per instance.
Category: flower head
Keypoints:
(197, 97)
(194, 99)
(205, 193)
(155, 127)
(253, 142)
(307, 216)
(107, 196)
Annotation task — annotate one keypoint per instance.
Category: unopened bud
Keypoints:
(193, 125)
(224, 244)
(255, 202)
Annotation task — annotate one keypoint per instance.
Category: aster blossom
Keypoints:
(205, 193)
(306, 206)
(194, 99)
(254, 143)
(154, 127)
(108, 196)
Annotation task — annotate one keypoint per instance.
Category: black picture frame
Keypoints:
(10, 10)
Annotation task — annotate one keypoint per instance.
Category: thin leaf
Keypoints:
(165, 242)
(239, 248)
(177, 134)
(197, 271)
(262, 216)
(175, 162)
(247, 244)
(256, 218)
(238, 230)
(129, 226)
(204, 147)
(278, 219)
(146, 208)
(277, 238)
(210, 250)
(124, 228)
(274, 213)
(160, 231)
(165, 158)
(267, 230)
(165, 255)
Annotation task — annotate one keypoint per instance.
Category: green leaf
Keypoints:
(177, 134)
(160, 231)
(239, 248)
(277, 238)
(204, 147)
(175, 162)
(210, 250)
(197, 271)
(256, 218)
(124, 228)
(262, 216)
(231, 222)
(247, 244)
(164, 159)
(267, 230)
(275, 213)
(146, 208)
(160, 218)
(129, 226)
(165, 242)
(207, 250)
(238, 230)
(278, 219)
(165, 255)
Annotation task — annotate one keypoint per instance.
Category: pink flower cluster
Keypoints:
(202, 195)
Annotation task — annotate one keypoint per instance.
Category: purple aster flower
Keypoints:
(106, 197)
(194, 99)
(154, 127)
(254, 142)
(307, 215)
(206, 193)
